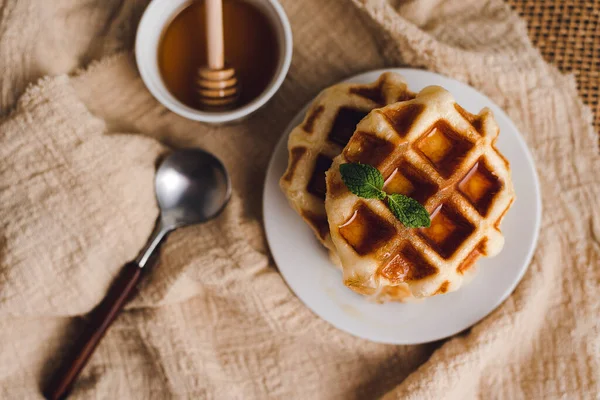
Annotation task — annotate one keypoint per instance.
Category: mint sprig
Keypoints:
(409, 211)
(363, 180)
(367, 182)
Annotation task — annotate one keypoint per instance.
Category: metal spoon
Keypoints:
(192, 187)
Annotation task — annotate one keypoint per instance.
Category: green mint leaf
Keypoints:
(408, 211)
(363, 180)
(367, 182)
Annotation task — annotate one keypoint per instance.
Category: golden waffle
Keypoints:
(434, 151)
(326, 129)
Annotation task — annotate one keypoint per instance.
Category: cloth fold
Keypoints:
(214, 319)
(71, 211)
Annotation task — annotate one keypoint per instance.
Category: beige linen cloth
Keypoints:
(215, 319)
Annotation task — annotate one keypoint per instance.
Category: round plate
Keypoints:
(305, 265)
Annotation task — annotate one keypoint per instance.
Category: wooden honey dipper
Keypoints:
(217, 85)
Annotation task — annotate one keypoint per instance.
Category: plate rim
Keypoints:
(536, 190)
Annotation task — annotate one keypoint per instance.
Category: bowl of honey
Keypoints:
(171, 46)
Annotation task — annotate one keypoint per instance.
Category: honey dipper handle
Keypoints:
(214, 34)
(100, 319)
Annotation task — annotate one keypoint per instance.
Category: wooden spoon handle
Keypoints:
(100, 320)
(214, 34)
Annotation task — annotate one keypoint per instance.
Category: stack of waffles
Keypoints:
(426, 147)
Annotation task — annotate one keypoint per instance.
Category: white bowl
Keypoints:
(160, 13)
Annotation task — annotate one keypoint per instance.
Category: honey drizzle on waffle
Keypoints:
(446, 147)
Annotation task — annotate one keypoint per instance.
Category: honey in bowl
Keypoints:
(250, 47)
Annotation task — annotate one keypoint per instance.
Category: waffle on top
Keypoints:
(434, 151)
(326, 129)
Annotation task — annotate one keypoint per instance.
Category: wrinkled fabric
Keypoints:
(79, 140)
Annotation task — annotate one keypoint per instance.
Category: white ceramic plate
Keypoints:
(305, 265)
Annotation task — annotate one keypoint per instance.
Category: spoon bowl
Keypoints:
(192, 186)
